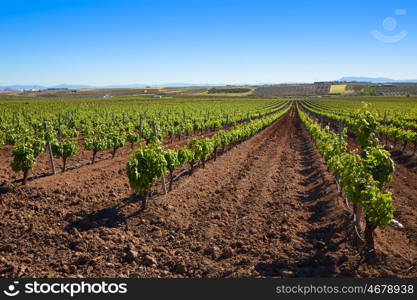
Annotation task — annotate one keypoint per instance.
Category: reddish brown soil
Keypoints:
(267, 207)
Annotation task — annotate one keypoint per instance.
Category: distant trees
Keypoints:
(228, 90)
(369, 91)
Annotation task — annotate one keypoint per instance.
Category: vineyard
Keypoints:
(208, 186)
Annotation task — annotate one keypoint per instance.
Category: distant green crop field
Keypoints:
(406, 106)
(338, 88)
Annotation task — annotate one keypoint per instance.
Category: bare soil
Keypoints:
(267, 207)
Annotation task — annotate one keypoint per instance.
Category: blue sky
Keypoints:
(101, 42)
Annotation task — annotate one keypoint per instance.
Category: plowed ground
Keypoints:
(267, 207)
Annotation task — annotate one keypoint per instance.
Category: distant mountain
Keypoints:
(375, 79)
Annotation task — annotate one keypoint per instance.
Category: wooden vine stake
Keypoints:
(164, 185)
(154, 130)
(153, 125)
(49, 148)
(340, 131)
(59, 127)
(140, 126)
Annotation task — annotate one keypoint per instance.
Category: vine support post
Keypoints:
(49, 148)
(140, 126)
(171, 177)
(340, 132)
(59, 126)
(153, 124)
(357, 209)
(164, 186)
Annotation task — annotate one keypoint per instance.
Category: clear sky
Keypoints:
(101, 42)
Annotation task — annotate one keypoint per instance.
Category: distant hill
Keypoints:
(375, 79)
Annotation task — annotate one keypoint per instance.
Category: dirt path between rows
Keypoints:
(268, 207)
